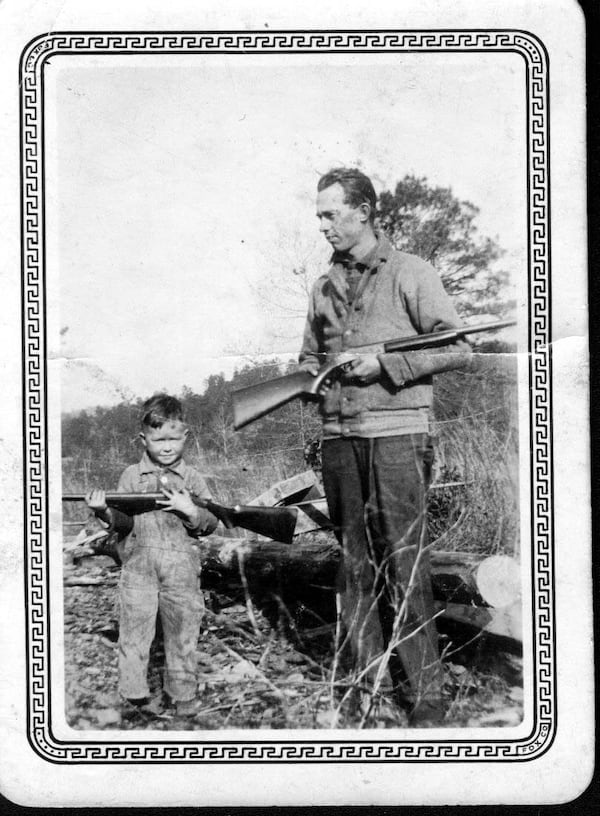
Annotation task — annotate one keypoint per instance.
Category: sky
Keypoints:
(181, 195)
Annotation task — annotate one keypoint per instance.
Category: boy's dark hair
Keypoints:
(358, 188)
(159, 409)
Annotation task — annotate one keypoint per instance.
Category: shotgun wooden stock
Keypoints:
(255, 401)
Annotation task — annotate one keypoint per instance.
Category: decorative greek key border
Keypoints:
(194, 750)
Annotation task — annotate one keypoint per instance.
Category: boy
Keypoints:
(160, 562)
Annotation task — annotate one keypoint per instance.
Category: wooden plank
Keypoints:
(312, 515)
(287, 490)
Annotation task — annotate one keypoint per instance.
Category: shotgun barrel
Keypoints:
(277, 523)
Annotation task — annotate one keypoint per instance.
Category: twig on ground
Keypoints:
(249, 605)
(243, 659)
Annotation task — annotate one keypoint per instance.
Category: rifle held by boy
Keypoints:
(277, 523)
(255, 401)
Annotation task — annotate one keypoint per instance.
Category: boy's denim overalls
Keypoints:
(161, 574)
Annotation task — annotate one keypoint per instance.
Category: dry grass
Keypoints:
(242, 479)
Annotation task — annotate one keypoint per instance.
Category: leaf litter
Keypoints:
(252, 674)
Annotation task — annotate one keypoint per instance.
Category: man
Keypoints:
(377, 452)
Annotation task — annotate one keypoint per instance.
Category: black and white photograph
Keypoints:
(289, 334)
(202, 254)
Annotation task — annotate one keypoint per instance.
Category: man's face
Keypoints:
(342, 225)
(165, 444)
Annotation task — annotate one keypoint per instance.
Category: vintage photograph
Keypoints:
(295, 446)
(287, 323)
(275, 516)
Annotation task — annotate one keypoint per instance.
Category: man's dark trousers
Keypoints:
(376, 492)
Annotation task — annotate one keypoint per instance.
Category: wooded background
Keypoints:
(473, 504)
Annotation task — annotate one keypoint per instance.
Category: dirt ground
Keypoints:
(253, 674)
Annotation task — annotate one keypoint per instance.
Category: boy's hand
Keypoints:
(179, 501)
(311, 366)
(96, 500)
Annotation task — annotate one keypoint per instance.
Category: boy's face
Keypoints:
(165, 444)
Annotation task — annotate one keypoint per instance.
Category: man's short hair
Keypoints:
(159, 409)
(358, 188)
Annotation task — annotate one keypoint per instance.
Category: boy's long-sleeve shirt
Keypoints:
(160, 529)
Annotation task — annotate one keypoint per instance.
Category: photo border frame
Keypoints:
(418, 746)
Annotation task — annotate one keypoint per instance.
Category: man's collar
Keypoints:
(148, 466)
(369, 260)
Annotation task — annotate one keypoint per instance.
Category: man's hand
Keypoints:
(179, 501)
(365, 368)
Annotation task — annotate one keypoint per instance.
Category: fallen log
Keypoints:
(298, 580)
(311, 564)
(504, 625)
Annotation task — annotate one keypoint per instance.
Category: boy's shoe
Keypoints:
(186, 708)
(109, 633)
(137, 702)
(132, 707)
(155, 705)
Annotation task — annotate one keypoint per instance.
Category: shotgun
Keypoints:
(255, 401)
(277, 523)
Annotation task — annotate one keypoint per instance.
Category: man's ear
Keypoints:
(365, 211)
(142, 436)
